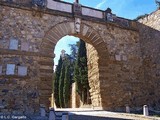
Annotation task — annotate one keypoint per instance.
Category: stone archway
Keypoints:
(91, 36)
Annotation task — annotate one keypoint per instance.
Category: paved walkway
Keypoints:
(90, 114)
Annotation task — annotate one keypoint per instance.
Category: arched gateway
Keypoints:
(123, 64)
(89, 35)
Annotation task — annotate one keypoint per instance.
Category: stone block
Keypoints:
(3, 81)
(85, 29)
(118, 57)
(13, 45)
(92, 12)
(77, 9)
(0, 69)
(124, 57)
(54, 5)
(10, 69)
(65, 117)
(24, 46)
(5, 90)
(52, 115)
(22, 70)
(42, 111)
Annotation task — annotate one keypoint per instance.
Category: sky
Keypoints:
(129, 9)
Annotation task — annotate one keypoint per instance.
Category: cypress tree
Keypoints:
(66, 89)
(61, 85)
(64, 75)
(81, 73)
(73, 58)
(56, 81)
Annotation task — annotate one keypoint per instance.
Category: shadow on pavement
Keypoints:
(86, 117)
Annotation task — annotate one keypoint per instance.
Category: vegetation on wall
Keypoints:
(141, 17)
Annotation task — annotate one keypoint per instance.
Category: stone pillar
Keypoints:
(42, 111)
(52, 115)
(77, 8)
(145, 110)
(73, 95)
(127, 109)
(108, 15)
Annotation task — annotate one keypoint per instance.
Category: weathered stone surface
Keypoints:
(149, 32)
(93, 75)
(0, 69)
(22, 70)
(13, 44)
(152, 20)
(25, 46)
(10, 69)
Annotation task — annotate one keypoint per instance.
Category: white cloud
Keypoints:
(101, 4)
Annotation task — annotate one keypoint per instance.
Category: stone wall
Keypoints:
(149, 28)
(152, 20)
(116, 66)
(123, 78)
(74, 97)
(93, 75)
(21, 35)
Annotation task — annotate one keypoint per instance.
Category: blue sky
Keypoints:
(123, 8)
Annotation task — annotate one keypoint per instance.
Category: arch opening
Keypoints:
(96, 53)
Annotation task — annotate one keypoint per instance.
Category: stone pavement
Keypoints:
(80, 114)
(90, 114)
(9, 116)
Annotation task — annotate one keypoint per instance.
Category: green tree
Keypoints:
(81, 73)
(73, 58)
(140, 17)
(61, 85)
(74, 64)
(66, 88)
(74, 50)
(56, 81)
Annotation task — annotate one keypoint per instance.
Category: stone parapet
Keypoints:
(66, 9)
